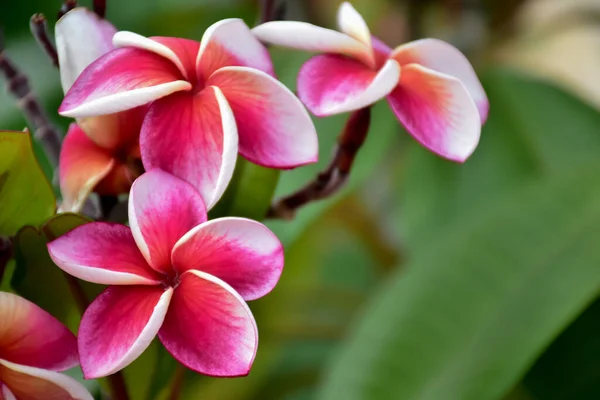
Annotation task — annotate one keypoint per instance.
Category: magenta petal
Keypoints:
(438, 111)
(31, 336)
(209, 328)
(241, 252)
(118, 326)
(5, 393)
(193, 137)
(102, 253)
(274, 128)
(162, 208)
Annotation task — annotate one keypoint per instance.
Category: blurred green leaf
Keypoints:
(473, 312)
(26, 197)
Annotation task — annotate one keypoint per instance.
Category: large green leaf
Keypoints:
(26, 197)
(473, 312)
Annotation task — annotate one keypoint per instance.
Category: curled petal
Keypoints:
(31, 336)
(230, 43)
(81, 38)
(209, 328)
(193, 137)
(352, 24)
(121, 80)
(102, 253)
(29, 383)
(438, 111)
(82, 164)
(118, 326)
(118, 132)
(274, 128)
(443, 57)
(162, 208)
(241, 252)
(330, 84)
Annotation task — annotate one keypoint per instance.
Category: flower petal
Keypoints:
(102, 253)
(82, 164)
(31, 336)
(230, 43)
(116, 132)
(162, 208)
(331, 84)
(274, 128)
(242, 252)
(81, 38)
(209, 328)
(5, 393)
(120, 80)
(193, 137)
(29, 383)
(438, 111)
(118, 326)
(352, 24)
(443, 57)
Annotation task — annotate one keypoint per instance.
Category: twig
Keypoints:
(18, 85)
(267, 10)
(118, 388)
(39, 29)
(333, 178)
(6, 253)
(67, 6)
(100, 8)
(177, 384)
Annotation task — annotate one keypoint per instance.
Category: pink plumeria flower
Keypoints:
(33, 347)
(173, 274)
(99, 154)
(207, 101)
(429, 84)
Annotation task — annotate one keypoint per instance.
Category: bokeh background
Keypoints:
(423, 279)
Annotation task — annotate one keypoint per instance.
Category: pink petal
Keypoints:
(230, 43)
(193, 137)
(438, 111)
(447, 59)
(31, 336)
(352, 24)
(117, 132)
(118, 326)
(162, 208)
(242, 252)
(120, 80)
(82, 164)
(102, 253)
(331, 84)
(5, 393)
(81, 38)
(29, 383)
(274, 128)
(209, 328)
(308, 37)
(381, 51)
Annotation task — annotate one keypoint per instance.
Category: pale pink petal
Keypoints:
(242, 252)
(5, 393)
(381, 51)
(31, 336)
(186, 50)
(81, 38)
(309, 37)
(29, 383)
(82, 164)
(438, 111)
(118, 326)
(230, 43)
(102, 253)
(331, 84)
(120, 80)
(274, 128)
(193, 137)
(162, 208)
(352, 24)
(443, 57)
(209, 328)
(116, 132)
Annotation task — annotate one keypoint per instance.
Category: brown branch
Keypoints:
(177, 384)
(267, 10)
(18, 85)
(67, 6)
(333, 178)
(6, 253)
(118, 388)
(100, 8)
(39, 30)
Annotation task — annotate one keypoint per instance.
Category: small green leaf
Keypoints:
(26, 197)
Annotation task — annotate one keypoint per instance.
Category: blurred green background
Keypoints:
(423, 279)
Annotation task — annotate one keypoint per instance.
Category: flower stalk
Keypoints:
(39, 30)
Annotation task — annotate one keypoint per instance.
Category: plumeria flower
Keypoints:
(173, 274)
(429, 84)
(33, 347)
(99, 153)
(206, 101)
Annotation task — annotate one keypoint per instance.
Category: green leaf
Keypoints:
(25, 194)
(472, 314)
